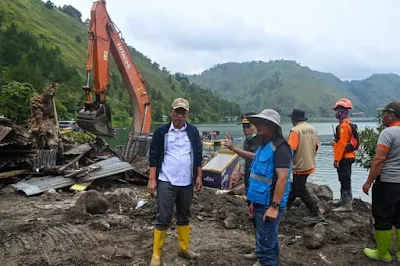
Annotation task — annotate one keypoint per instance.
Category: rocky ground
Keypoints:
(102, 227)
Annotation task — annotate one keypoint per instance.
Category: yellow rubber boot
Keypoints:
(183, 240)
(398, 244)
(383, 240)
(159, 239)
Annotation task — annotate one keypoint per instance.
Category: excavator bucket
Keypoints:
(95, 118)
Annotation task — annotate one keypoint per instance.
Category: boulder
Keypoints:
(315, 238)
(92, 202)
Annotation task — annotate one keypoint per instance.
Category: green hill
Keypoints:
(282, 85)
(40, 44)
(376, 90)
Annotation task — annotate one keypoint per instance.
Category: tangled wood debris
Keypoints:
(38, 149)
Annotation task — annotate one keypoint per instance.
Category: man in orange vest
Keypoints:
(344, 154)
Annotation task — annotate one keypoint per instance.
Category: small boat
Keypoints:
(218, 142)
(217, 172)
(68, 126)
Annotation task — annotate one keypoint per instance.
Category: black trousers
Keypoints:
(298, 189)
(386, 205)
(167, 197)
(344, 173)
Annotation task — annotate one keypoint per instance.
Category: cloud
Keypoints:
(351, 39)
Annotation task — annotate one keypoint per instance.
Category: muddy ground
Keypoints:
(49, 230)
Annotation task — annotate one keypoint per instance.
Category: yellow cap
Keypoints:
(244, 121)
(180, 103)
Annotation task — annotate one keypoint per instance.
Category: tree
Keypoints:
(72, 11)
(156, 65)
(78, 39)
(368, 140)
(49, 4)
(15, 101)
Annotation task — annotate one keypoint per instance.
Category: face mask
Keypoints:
(342, 114)
(251, 136)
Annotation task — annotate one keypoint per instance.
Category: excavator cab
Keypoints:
(95, 118)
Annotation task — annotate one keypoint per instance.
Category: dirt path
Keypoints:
(43, 231)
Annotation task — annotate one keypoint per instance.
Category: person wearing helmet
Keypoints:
(344, 155)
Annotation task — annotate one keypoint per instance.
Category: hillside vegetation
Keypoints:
(285, 85)
(40, 43)
(376, 90)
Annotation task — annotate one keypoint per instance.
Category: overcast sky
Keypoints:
(350, 38)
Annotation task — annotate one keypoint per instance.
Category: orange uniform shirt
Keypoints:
(344, 134)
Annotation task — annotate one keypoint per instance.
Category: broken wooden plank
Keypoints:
(13, 173)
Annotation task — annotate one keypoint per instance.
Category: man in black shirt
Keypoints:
(251, 144)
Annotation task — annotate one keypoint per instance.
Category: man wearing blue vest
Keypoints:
(269, 184)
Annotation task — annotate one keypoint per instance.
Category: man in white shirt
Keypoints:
(175, 171)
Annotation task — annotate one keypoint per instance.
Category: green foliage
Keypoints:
(72, 11)
(368, 140)
(79, 137)
(49, 4)
(15, 100)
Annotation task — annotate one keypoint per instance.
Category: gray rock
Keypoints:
(323, 192)
(230, 222)
(315, 238)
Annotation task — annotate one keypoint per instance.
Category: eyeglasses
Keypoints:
(246, 126)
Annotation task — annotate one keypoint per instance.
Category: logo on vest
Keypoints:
(307, 131)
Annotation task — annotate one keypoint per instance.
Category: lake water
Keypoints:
(325, 174)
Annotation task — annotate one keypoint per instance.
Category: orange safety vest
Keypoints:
(344, 134)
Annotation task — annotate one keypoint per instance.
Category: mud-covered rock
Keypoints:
(101, 225)
(92, 202)
(315, 238)
(51, 195)
(230, 222)
(323, 192)
(123, 200)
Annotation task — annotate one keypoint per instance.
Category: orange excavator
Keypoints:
(104, 37)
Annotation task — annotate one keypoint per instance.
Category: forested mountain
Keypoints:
(285, 85)
(41, 43)
(376, 90)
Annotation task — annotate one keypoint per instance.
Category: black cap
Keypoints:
(244, 118)
(298, 115)
(393, 107)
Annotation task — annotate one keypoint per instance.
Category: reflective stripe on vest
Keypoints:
(261, 178)
(261, 175)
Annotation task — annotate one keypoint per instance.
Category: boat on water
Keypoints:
(209, 138)
(218, 142)
(68, 126)
(221, 169)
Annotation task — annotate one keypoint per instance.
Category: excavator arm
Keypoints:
(104, 38)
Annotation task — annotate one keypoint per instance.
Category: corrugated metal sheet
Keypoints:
(33, 186)
(4, 131)
(83, 148)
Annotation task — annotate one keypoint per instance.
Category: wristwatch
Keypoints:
(275, 204)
